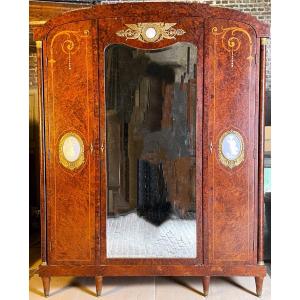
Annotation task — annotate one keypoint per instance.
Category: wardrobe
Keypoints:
(152, 142)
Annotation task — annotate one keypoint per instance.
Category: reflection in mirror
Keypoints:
(150, 132)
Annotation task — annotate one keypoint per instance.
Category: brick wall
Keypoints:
(261, 9)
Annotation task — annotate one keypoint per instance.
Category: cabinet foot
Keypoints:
(98, 285)
(205, 282)
(46, 285)
(259, 285)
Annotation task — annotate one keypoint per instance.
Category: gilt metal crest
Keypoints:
(150, 32)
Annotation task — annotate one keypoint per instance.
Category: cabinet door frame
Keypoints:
(193, 27)
(86, 37)
(212, 138)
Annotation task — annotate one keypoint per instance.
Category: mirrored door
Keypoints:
(150, 103)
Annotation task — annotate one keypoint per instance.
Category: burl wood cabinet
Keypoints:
(151, 118)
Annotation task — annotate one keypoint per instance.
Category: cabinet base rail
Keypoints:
(204, 271)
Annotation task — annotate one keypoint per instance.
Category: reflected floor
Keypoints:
(133, 237)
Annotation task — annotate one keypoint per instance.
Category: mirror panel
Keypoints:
(151, 163)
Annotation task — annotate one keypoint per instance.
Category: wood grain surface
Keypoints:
(230, 89)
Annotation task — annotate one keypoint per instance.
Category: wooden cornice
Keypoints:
(41, 11)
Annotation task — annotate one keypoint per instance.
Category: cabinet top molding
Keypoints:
(151, 12)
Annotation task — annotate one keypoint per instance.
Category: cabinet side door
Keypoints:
(70, 160)
(229, 142)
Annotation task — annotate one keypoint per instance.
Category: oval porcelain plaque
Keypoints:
(71, 151)
(71, 148)
(231, 146)
(231, 149)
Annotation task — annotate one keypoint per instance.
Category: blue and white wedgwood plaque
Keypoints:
(231, 149)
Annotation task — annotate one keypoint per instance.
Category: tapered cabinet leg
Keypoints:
(259, 285)
(205, 282)
(46, 285)
(98, 285)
